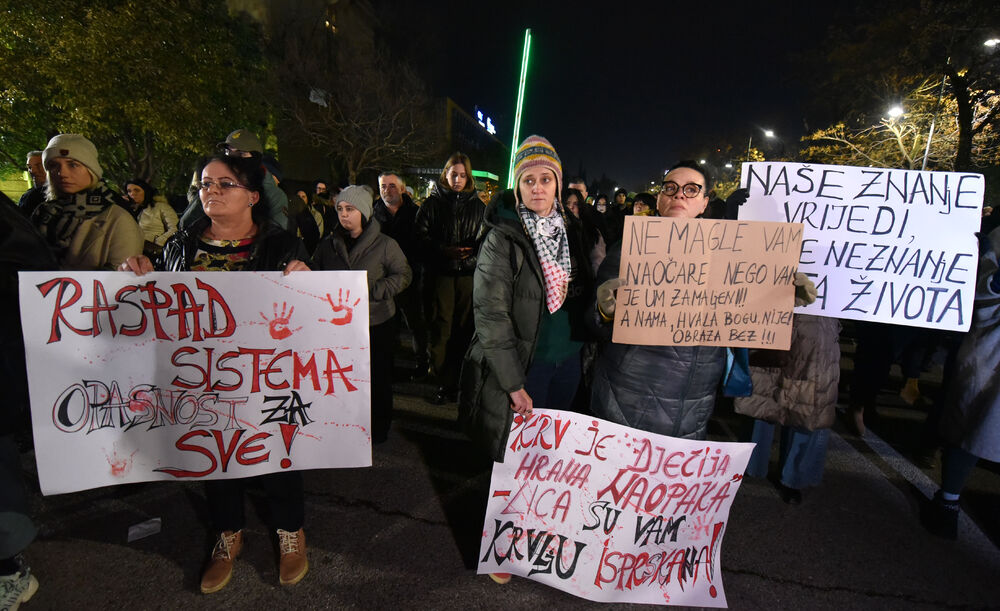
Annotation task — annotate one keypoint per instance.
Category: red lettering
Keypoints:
(183, 446)
(139, 328)
(300, 371)
(154, 306)
(215, 299)
(226, 452)
(186, 304)
(246, 448)
(333, 367)
(272, 369)
(57, 313)
(178, 380)
(219, 365)
(256, 353)
(100, 304)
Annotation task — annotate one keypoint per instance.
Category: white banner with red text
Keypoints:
(610, 513)
(192, 375)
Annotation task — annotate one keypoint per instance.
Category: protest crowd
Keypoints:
(509, 306)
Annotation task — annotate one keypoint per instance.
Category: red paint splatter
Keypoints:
(120, 465)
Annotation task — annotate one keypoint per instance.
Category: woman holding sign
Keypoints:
(669, 390)
(532, 283)
(235, 235)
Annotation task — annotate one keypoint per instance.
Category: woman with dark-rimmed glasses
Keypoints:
(236, 235)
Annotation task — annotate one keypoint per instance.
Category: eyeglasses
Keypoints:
(689, 190)
(224, 185)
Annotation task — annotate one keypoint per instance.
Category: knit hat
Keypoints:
(244, 140)
(75, 147)
(358, 196)
(537, 152)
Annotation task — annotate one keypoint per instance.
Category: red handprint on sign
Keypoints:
(343, 310)
(278, 326)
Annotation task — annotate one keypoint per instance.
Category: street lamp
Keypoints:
(992, 42)
(767, 134)
(895, 112)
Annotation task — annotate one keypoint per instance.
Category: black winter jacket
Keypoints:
(271, 251)
(669, 390)
(449, 218)
(508, 305)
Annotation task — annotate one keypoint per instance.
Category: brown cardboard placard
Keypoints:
(704, 282)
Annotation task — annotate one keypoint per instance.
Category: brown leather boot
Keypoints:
(220, 566)
(293, 564)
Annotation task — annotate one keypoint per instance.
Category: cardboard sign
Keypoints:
(885, 245)
(610, 513)
(699, 282)
(195, 375)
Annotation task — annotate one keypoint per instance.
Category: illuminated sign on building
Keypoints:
(486, 122)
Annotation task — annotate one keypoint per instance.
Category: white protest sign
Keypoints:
(884, 245)
(610, 513)
(195, 375)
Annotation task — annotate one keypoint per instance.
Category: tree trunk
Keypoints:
(960, 89)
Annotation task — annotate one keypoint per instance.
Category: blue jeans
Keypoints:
(801, 456)
(553, 385)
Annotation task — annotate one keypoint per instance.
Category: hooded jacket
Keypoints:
(508, 304)
(446, 219)
(376, 253)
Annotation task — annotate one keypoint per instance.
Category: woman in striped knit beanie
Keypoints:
(531, 286)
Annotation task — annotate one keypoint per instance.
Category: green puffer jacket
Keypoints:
(508, 304)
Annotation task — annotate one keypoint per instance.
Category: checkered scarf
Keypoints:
(552, 245)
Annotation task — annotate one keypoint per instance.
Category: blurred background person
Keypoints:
(156, 218)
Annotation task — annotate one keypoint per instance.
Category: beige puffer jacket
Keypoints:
(797, 387)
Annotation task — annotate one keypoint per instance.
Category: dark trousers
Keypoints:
(449, 321)
(383, 342)
(411, 306)
(16, 528)
(283, 492)
(553, 385)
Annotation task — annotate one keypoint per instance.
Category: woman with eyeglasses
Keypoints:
(236, 235)
(84, 222)
(668, 390)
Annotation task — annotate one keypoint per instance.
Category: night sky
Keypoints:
(623, 91)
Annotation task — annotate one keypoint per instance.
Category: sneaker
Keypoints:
(940, 517)
(220, 566)
(293, 564)
(17, 588)
(500, 578)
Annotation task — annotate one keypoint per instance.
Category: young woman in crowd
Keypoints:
(84, 222)
(447, 229)
(236, 235)
(532, 285)
(157, 219)
(357, 243)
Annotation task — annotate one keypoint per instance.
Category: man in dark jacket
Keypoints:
(36, 194)
(396, 213)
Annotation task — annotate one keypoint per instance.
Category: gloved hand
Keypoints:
(736, 199)
(606, 297)
(805, 290)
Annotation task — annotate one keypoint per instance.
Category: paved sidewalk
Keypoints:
(405, 533)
